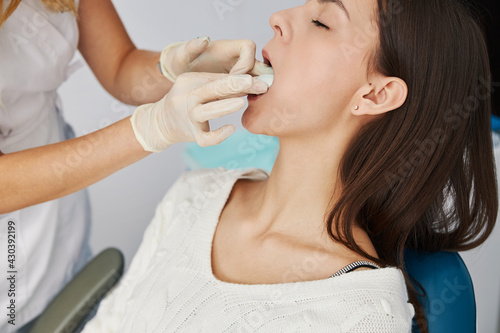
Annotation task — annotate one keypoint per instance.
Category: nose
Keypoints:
(280, 23)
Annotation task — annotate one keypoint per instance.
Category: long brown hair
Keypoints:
(53, 5)
(423, 176)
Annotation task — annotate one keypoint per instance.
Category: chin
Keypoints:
(250, 120)
(263, 117)
(259, 124)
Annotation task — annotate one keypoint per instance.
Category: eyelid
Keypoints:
(320, 24)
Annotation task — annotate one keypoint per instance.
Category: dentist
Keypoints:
(44, 169)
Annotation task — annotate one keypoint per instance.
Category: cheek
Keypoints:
(294, 107)
(307, 95)
(319, 93)
(335, 82)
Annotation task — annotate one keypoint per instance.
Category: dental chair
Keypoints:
(449, 303)
(73, 305)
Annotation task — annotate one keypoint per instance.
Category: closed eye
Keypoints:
(319, 24)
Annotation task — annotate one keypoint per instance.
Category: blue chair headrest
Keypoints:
(449, 304)
(495, 123)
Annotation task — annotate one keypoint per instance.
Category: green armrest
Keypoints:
(70, 307)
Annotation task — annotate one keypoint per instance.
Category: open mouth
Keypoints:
(267, 62)
(266, 57)
(267, 78)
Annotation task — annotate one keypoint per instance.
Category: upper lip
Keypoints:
(267, 58)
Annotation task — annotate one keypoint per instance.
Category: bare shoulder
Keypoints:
(326, 261)
(343, 256)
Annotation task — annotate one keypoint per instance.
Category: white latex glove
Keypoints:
(183, 114)
(203, 55)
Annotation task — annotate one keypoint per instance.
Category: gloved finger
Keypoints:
(199, 79)
(194, 48)
(261, 68)
(205, 139)
(246, 60)
(215, 110)
(229, 86)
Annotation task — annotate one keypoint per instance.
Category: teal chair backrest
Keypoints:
(449, 303)
(495, 123)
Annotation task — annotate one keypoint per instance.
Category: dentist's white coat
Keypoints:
(36, 48)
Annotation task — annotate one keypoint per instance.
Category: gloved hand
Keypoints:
(183, 114)
(220, 56)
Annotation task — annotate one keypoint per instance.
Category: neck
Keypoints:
(295, 198)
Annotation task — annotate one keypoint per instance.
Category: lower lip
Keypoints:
(252, 98)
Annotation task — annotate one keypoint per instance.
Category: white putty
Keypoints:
(267, 78)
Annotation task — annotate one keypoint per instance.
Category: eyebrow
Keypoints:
(340, 4)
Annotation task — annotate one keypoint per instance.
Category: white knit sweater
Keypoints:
(170, 286)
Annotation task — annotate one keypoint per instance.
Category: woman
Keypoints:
(44, 215)
(380, 150)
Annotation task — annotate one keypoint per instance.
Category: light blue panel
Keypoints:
(240, 151)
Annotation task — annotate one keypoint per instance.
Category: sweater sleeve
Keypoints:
(381, 321)
(389, 314)
(349, 315)
(111, 309)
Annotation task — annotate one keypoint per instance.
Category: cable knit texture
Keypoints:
(170, 286)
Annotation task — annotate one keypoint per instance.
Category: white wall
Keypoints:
(124, 203)
(484, 266)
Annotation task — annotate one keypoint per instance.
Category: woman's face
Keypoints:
(319, 53)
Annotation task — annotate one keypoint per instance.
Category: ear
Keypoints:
(383, 95)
